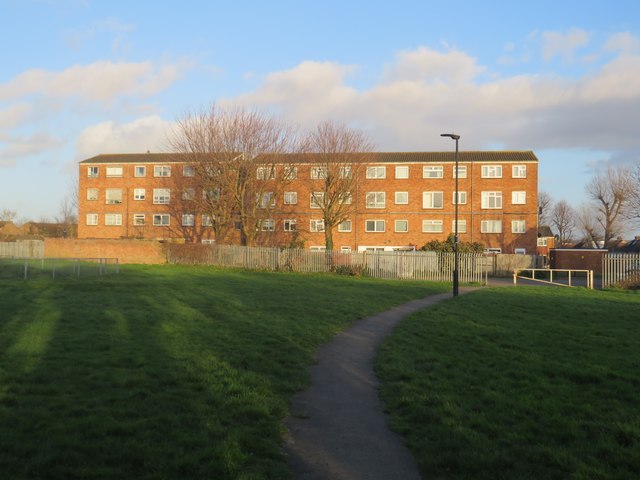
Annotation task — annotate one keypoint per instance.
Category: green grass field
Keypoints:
(165, 372)
(519, 383)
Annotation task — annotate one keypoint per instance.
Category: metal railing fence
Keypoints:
(620, 267)
(29, 268)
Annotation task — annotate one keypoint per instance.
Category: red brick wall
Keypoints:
(577, 259)
(126, 251)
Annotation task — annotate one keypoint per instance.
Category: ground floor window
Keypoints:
(161, 219)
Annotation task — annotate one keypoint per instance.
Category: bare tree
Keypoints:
(610, 192)
(545, 204)
(240, 169)
(563, 218)
(632, 211)
(589, 227)
(338, 152)
(7, 215)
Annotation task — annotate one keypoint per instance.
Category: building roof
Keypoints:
(374, 157)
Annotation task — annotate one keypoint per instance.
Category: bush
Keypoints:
(349, 270)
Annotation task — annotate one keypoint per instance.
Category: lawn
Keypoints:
(519, 383)
(165, 372)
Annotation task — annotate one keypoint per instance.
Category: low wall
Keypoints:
(126, 251)
(571, 259)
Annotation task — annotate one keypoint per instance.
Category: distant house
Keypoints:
(9, 229)
(546, 240)
(47, 229)
(622, 246)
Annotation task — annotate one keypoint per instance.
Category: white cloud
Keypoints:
(563, 44)
(148, 133)
(15, 147)
(624, 42)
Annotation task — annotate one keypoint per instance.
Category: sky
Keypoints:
(84, 77)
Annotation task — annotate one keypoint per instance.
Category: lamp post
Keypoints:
(455, 230)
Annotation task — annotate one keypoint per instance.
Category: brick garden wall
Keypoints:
(126, 251)
(577, 259)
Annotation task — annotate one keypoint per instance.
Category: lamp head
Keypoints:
(450, 135)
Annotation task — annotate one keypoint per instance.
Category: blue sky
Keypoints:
(83, 77)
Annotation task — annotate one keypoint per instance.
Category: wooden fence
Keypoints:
(620, 267)
(389, 265)
(22, 249)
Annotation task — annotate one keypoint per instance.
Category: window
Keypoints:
(432, 226)
(266, 173)
(431, 199)
(374, 226)
(519, 171)
(462, 226)
(139, 194)
(346, 171)
(491, 199)
(402, 226)
(188, 171)
(114, 171)
(138, 219)
(402, 198)
(212, 194)
(376, 172)
(316, 225)
(322, 248)
(92, 194)
(92, 219)
(266, 200)
(491, 171)
(462, 171)
(462, 196)
(208, 241)
(518, 226)
(542, 242)
(161, 219)
(432, 171)
(162, 171)
(161, 196)
(318, 173)
(290, 173)
(491, 226)
(345, 198)
(290, 225)
(188, 219)
(402, 172)
(113, 219)
(317, 199)
(268, 225)
(140, 171)
(207, 220)
(520, 251)
(290, 198)
(344, 226)
(92, 172)
(345, 249)
(376, 199)
(519, 198)
(113, 196)
(189, 194)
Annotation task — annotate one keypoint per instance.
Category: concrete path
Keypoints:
(337, 429)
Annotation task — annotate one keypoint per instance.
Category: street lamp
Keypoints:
(455, 230)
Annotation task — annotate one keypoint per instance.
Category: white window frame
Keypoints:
(188, 220)
(111, 196)
(92, 194)
(316, 225)
(402, 172)
(316, 200)
(162, 170)
(345, 198)
(139, 171)
(319, 173)
(345, 249)
(491, 200)
(375, 226)
(519, 197)
(491, 171)
(268, 225)
(491, 226)
(139, 194)
(92, 219)
(433, 171)
(139, 219)
(396, 223)
(462, 194)
(266, 173)
(462, 169)
(290, 225)
(114, 171)
(432, 226)
(188, 194)
(188, 171)
(462, 226)
(161, 196)
(376, 200)
(401, 198)
(207, 221)
(159, 219)
(429, 200)
(290, 198)
(519, 171)
(113, 219)
(290, 173)
(345, 226)
(346, 171)
(518, 226)
(376, 172)
(93, 172)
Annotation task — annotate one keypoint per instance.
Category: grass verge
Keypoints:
(519, 383)
(165, 372)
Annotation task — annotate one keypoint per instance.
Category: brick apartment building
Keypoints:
(401, 201)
